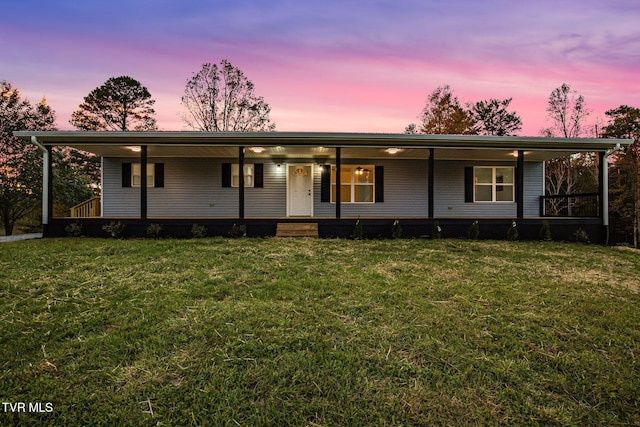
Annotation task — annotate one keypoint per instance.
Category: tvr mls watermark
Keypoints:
(27, 407)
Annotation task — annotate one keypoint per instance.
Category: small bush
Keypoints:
(581, 236)
(198, 231)
(358, 231)
(74, 229)
(396, 230)
(512, 233)
(238, 231)
(436, 231)
(474, 231)
(114, 229)
(545, 231)
(154, 231)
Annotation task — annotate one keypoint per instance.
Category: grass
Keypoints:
(319, 332)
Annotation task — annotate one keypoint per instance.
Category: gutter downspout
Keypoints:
(47, 184)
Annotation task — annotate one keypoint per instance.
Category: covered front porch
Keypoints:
(177, 179)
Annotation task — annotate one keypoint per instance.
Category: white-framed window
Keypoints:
(249, 171)
(136, 179)
(493, 184)
(357, 184)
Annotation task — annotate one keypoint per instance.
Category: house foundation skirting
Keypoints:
(562, 229)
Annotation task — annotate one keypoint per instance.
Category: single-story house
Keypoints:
(260, 180)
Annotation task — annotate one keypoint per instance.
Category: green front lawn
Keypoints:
(319, 332)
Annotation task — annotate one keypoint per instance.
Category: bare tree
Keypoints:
(568, 113)
(219, 98)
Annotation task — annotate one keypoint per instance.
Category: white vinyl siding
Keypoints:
(405, 191)
(449, 191)
(193, 188)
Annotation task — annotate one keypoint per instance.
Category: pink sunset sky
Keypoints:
(353, 66)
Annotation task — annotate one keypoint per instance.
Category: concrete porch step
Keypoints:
(297, 229)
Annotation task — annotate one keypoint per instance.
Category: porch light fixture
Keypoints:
(135, 149)
(393, 150)
(257, 150)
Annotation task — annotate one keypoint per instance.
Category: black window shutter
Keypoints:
(226, 174)
(158, 180)
(126, 174)
(325, 184)
(379, 183)
(258, 175)
(468, 184)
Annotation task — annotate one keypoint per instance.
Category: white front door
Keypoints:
(300, 190)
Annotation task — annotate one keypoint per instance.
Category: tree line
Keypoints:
(220, 98)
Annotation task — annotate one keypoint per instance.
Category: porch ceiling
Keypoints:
(321, 154)
(318, 145)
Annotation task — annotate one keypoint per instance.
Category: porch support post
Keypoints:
(603, 184)
(338, 193)
(520, 185)
(241, 183)
(431, 196)
(47, 189)
(143, 182)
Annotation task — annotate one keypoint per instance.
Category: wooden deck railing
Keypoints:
(570, 205)
(88, 208)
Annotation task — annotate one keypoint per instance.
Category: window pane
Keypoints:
(345, 193)
(483, 193)
(483, 175)
(504, 175)
(364, 193)
(504, 193)
(345, 174)
(364, 175)
(136, 179)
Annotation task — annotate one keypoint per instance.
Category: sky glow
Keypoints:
(360, 66)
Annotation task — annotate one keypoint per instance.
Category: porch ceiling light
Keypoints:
(257, 150)
(393, 150)
(135, 149)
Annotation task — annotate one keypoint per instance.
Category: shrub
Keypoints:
(238, 231)
(114, 229)
(581, 236)
(396, 229)
(154, 231)
(545, 231)
(436, 231)
(474, 231)
(74, 229)
(512, 233)
(198, 231)
(358, 231)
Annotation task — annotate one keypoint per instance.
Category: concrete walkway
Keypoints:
(20, 237)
